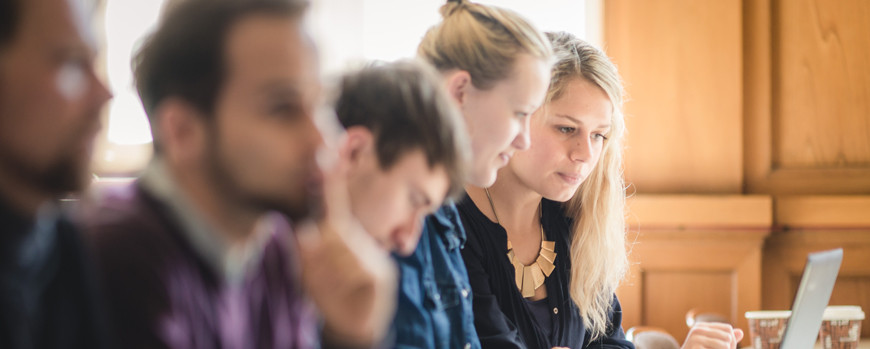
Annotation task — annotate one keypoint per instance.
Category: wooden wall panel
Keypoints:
(681, 62)
(823, 211)
(821, 62)
(674, 271)
(816, 223)
(690, 252)
(785, 256)
(670, 294)
(807, 96)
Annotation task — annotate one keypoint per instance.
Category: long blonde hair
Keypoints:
(482, 40)
(598, 252)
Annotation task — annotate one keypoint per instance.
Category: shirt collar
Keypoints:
(232, 261)
(446, 223)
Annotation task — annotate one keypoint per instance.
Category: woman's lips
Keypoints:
(572, 179)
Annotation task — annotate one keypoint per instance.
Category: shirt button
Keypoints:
(555, 310)
(464, 293)
(467, 346)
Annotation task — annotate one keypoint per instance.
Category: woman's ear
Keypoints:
(358, 143)
(458, 84)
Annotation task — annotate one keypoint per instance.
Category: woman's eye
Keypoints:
(600, 136)
(521, 115)
(566, 129)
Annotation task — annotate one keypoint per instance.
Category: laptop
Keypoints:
(812, 297)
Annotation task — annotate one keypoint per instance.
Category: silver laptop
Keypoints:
(812, 297)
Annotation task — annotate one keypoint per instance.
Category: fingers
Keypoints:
(335, 193)
(351, 280)
(711, 335)
(737, 335)
(720, 332)
(330, 162)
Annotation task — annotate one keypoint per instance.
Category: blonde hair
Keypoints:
(598, 252)
(482, 40)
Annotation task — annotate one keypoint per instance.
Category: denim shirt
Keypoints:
(434, 308)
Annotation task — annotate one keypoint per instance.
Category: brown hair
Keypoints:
(184, 58)
(406, 108)
(10, 10)
(482, 40)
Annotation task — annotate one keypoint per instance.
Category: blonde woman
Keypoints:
(546, 242)
(495, 66)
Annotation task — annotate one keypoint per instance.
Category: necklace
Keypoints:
(529, 277)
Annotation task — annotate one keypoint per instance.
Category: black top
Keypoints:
(47, 292)
(543, 315)
(503, 318)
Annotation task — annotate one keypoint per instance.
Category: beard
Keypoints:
(301, 204)
(67, 173)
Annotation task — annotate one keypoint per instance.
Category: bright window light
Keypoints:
(127, 22)
(352, 32)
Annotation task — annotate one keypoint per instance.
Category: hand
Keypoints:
(712, 335)
(351, 280)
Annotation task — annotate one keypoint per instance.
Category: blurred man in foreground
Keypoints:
(198, 253)
(50, 99)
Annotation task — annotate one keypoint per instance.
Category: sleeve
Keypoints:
(493, 326)
(615, 336)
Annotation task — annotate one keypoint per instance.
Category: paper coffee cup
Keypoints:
(766, 327)
(841, 327)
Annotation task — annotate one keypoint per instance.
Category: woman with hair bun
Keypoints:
(546, 243)
(495, 66)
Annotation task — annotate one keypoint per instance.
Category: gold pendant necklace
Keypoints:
(529, 277)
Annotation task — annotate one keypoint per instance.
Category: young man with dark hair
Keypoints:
(198, 253)
(406, 149)
(50, 99)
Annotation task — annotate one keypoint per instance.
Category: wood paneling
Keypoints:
(673, 211)
(821, 62)
(668, 289)
(807, 96)
(681, 62)
(768, 97)
(823, 211)
(693, 252)
(674, 271)
(785, 255)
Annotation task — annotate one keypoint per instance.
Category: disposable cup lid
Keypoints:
(843, 312)
(768, 314)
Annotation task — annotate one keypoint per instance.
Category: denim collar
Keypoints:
(445, 223)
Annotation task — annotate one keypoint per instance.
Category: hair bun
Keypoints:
(451, 7)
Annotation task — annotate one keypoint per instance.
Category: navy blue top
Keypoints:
(434, 309)
(502, 316)
(48, 292)
(541, 311)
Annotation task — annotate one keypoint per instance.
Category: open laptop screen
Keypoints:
(812, 297)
